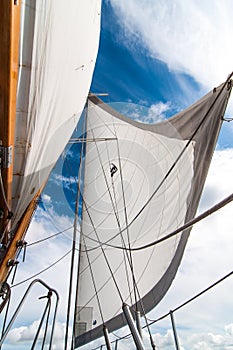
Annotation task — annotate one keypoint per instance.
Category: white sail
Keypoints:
(58, 48)
(141, 182)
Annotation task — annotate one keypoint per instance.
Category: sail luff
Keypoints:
(9, 48)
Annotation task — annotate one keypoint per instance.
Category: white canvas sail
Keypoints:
(141, 182)
(58, 48)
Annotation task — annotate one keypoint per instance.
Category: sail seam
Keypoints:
(169, 171)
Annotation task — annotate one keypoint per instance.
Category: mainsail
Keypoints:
(57, 53)
(140, 183)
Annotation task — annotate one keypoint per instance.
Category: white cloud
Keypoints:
(192, 37)
(25, 335)
(139, 112)
(65, 181)
(164, 340)
(207, 258)
(229, 329)
(156, 112)
(38, 258)
(218, 186)
(46, 198)
(206, 341)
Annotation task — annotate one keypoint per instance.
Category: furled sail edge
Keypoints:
(213, 106)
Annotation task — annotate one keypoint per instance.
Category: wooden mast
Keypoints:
(9, 52)
(8, 259)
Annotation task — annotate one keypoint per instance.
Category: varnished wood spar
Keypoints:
(9, 48)
(18, 236)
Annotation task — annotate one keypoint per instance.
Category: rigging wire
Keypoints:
(135, 287)
(194, 297)
(190, 223)
(94, 285)
(104, 254)
(7, 291)
(175, 309)
(72, 261)
(89, 263)
(228, 81)
(124, 252)
(170, 170)
(130, 256)
(10, 214)
(3, 191)
(114, 205)
(46, 238)
(183, 151)
(40, 272)
(46, 312)
(84, 243)
(46, 327)
(81, 174)
(124, 248)
(117, 218)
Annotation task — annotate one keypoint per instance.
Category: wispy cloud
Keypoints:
(157, 112)
(193, 37)
(24, 335)
(207, 258)
(144, 114)
(204, 262)
(66, 181)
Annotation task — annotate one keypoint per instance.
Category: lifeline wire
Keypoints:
(177, 308)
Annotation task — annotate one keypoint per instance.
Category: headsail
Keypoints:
(141, 182)
(58, 48)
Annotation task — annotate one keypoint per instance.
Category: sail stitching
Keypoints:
(174, 310)
(168, 173)
(183, 151)
(111, 199)
(93, 281)
(104, 254)
(118, 222)
(130, 258)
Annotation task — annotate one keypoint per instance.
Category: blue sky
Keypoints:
(162, 55)
(126, 70)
